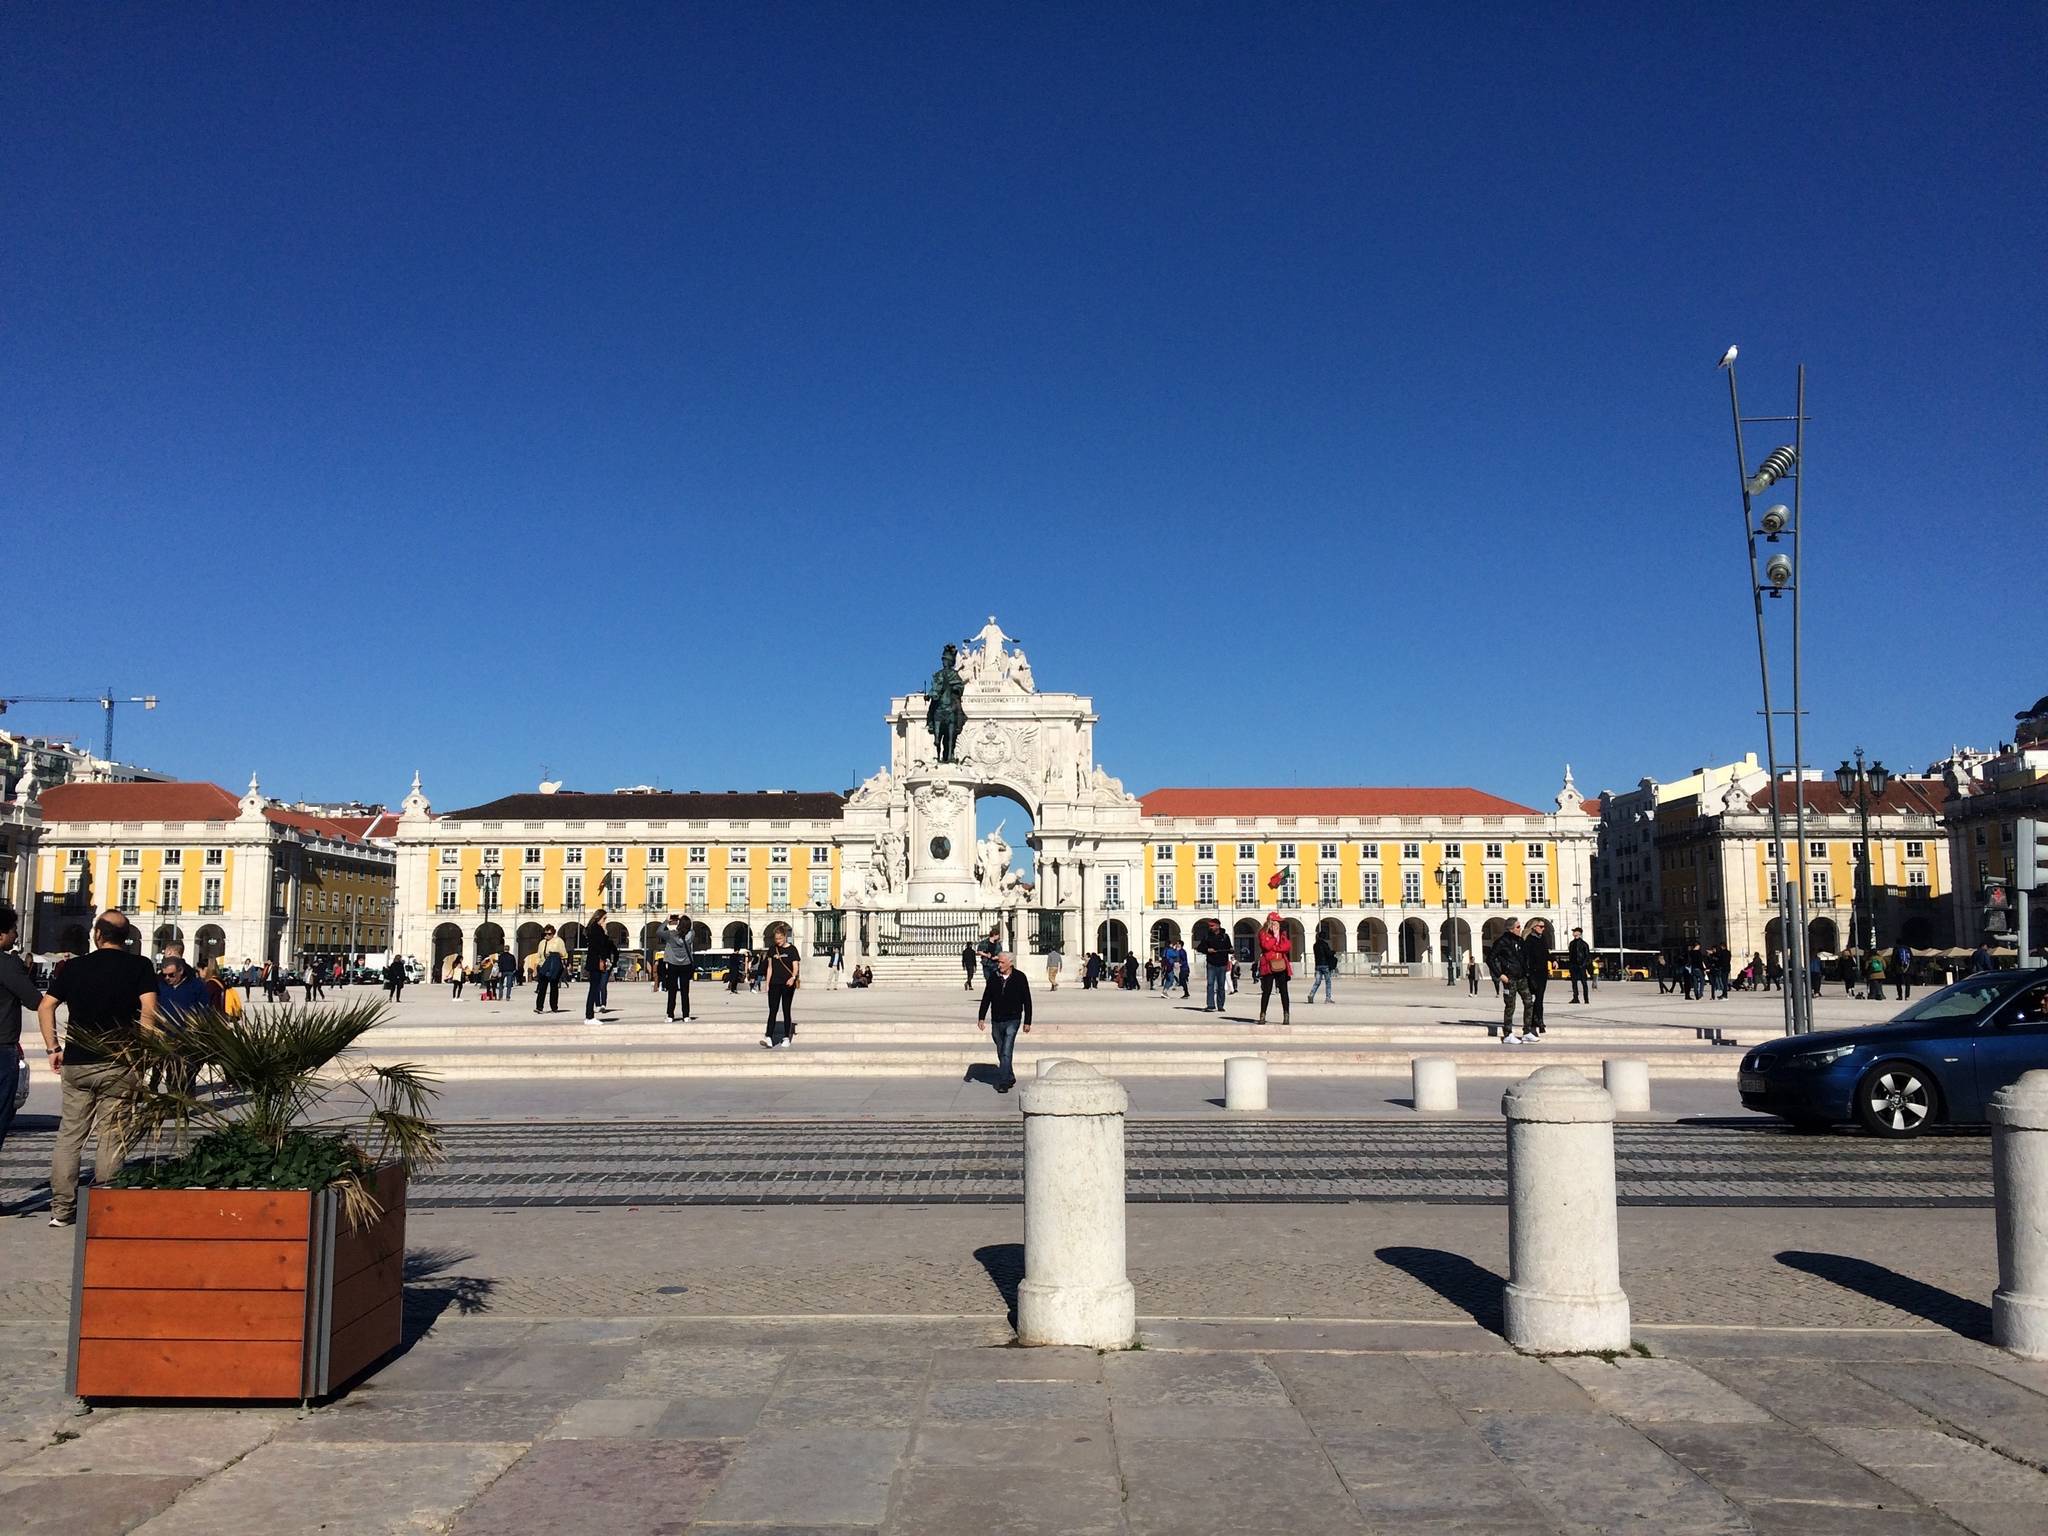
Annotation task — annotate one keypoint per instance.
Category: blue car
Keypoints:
(1939, 1061)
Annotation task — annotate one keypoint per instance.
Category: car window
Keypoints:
(1964, 1000)
(2032, 1007)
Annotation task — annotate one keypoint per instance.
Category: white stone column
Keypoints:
(1564, 1252)
(1075, 1290)
(1434, 1084)
(2019, 1182)
(1244, 1083)
(1628, 1083)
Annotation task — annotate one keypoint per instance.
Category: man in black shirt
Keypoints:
(1217, 954)
(111, 998)
(1578, 959)
(1005, 1005)
(17, 991)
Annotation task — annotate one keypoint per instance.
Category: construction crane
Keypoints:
(106, 701)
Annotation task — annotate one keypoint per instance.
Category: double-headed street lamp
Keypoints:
(1454, 897)
(487, 892)
(1866, 784)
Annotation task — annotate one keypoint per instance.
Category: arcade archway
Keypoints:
(447, 947)
(1414, 941)
(1372, 938)
(1112, 941)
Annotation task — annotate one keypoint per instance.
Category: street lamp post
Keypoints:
(487, 893)
(1453, 899)
(1773, 574)
(1864, 783)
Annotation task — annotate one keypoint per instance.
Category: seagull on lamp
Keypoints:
(1727, 358)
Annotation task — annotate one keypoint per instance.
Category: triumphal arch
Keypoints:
(917, 883)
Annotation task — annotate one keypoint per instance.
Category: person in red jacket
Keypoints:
(1276, 964)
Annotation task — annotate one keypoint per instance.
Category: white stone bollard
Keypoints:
(1435, 1084)
(1244, 1082)
(1564, 1252)
(1075, 1290)
(1628, 1084)
(2019, 1183)
(1047, 1063)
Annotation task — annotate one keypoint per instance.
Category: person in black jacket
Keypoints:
(1005, 1006)
(1536, 941)
(1217, 954)
(1511, 965)
(600, 954)
(18, 992)
(1578, 959)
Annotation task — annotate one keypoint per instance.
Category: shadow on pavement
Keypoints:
(1005, 1265)
(430, 1290)
(1472, 1288)
(1945, 1309)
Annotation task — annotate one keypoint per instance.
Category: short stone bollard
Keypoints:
(1244, 1082)
(1435, 1084)
(1075, 1290)
(2019, 1184)
(1628, 1084)
(1564, 1252)
(1047, 1063)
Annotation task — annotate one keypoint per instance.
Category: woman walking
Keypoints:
(599, 955)
(780, 966)
(456, 975)
(1276, 964)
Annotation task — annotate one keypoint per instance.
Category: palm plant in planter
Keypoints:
(256, 1249)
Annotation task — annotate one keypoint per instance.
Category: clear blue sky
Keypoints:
(649, 391)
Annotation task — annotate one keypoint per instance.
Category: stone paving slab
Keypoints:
(724, 1426)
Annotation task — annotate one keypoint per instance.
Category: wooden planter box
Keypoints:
(189, 1293)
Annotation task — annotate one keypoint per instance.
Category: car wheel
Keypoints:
(1897, 1099)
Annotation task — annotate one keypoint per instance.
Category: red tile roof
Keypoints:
(184, 800)
(178, 801)
(1594, 806)
(1908, 797)
(1356, 801)
(383, 824)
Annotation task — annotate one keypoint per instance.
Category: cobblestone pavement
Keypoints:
(491, 1428)
(1290, 1161)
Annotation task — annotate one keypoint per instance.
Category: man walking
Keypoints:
(1902, 971)
(394, 976)
(679, 963)
(1053, 960)
(17, 991)
(1578, 959)
(547, 975)
(988, 949)
(1217, 956)
(111, 998)
(1537, 942)
(1511, 968)
(967, 959)
(600, 954)
(1325, 955)
(1005, 1008)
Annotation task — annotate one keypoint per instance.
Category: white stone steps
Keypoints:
(810, 1058)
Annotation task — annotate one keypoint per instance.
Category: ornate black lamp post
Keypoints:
(1865, 783)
